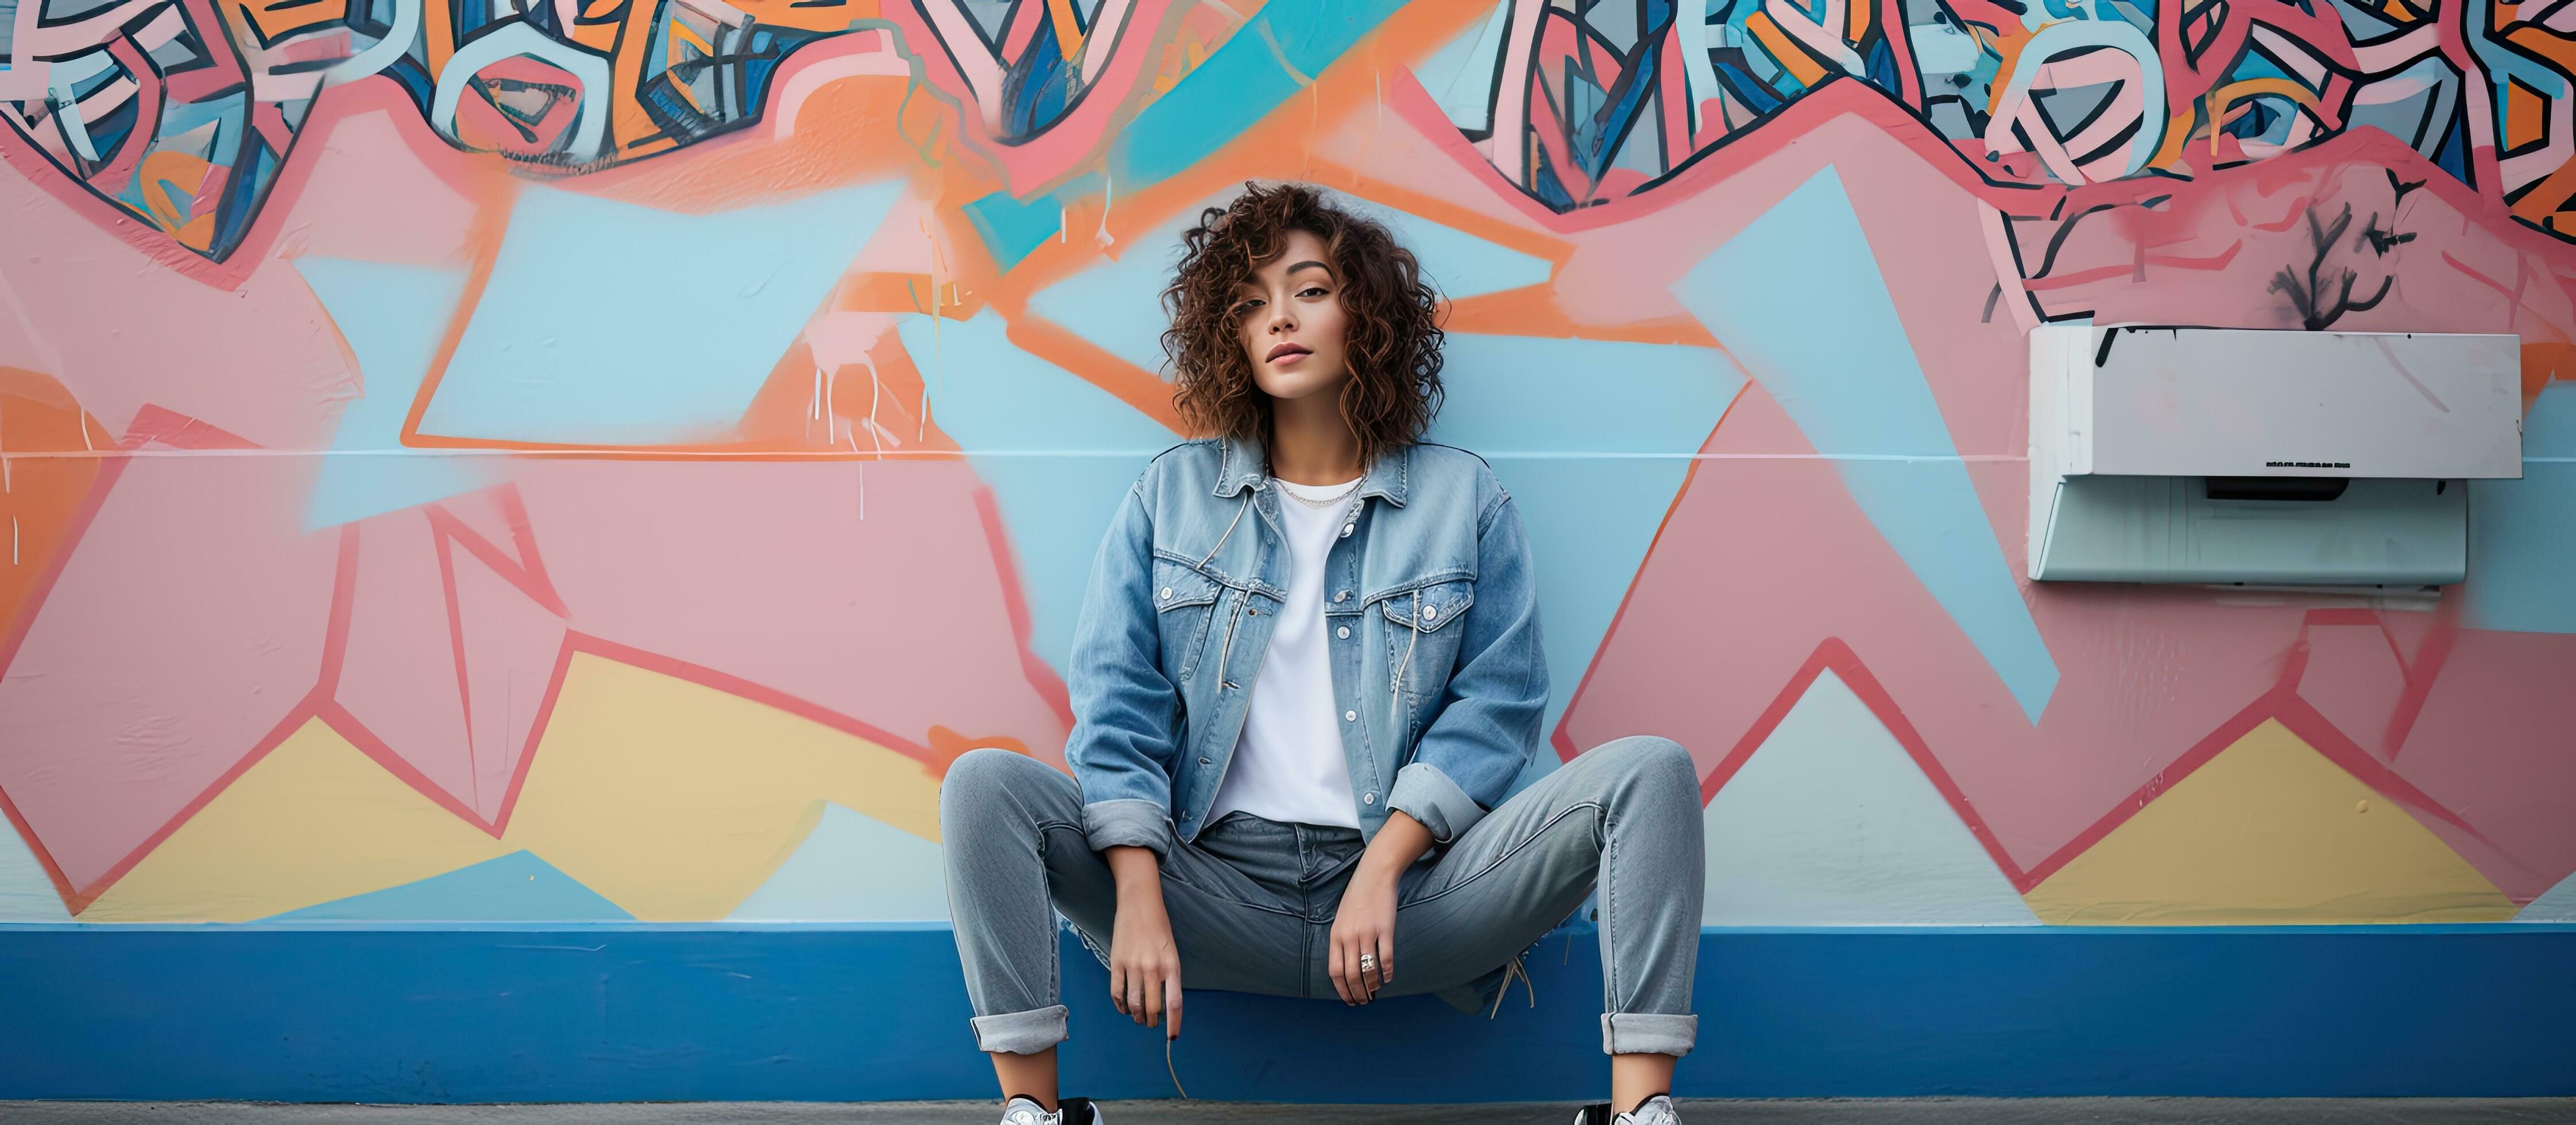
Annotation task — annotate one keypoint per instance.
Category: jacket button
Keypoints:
(1350, 716)
(1369, 798)
(1203, 761)
(1430, 611)
(1343, 596)
(1346, 529)
(1344, 632)
(1167, 593)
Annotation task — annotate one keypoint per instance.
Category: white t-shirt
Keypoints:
(1288, 764)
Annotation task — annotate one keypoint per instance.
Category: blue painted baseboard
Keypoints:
(628, 1011)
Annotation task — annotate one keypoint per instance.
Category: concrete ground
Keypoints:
(1939, 1111)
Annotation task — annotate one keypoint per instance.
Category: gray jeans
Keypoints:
(1252, 901)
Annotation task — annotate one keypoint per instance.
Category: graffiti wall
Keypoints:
(600, 459)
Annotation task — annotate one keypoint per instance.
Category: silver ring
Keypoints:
(1368, 961)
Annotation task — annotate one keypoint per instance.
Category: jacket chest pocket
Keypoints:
(1423, 635)
(1184, 605)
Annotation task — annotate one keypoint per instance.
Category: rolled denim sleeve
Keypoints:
(1489, 715)
(1124, 734)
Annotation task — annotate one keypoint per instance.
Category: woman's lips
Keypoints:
(1287, 352)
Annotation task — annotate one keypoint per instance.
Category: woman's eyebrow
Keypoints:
(1303, 265)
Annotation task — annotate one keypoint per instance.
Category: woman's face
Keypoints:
(1290, 318)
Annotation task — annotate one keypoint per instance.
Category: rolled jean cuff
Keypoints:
(1637, 1033)
(1020, 1033)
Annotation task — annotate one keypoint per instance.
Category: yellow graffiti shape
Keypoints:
(675, 800)
(313, 821)
(672, 799)
(2268, 832)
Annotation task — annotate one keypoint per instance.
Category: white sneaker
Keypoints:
(1658, 1110)
(1069, 1111)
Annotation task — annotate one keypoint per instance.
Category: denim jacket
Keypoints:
(1429, 603)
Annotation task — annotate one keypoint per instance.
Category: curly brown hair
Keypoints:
(1392, 342)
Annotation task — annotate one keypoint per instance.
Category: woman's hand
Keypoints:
(1364, 924)
(1144, 961)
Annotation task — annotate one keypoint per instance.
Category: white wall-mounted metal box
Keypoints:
(2168, 454)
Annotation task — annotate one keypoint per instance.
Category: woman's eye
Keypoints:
(1311, 291)
(1246, 307)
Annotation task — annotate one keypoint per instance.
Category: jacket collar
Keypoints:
(1244, 466)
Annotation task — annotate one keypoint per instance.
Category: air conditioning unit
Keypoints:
(2208, 455)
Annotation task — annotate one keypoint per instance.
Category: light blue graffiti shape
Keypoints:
(1058, 452)
(2522, 533)
(1460, 264)
(2076, 36)
(397, 41)
(185, 127)
(27, 893)
(1012, 228)
(1798, 298)
(1592, 465)
(853, 868)
(1942, 48)
(2557, 904)
(63, 95)
(609, 323)
(1116, 303)
(1460, 75)
(393, 318)
(517, 887)
(1273, 55)
(589, 127)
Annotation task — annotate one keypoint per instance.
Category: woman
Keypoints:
(1306, 672)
